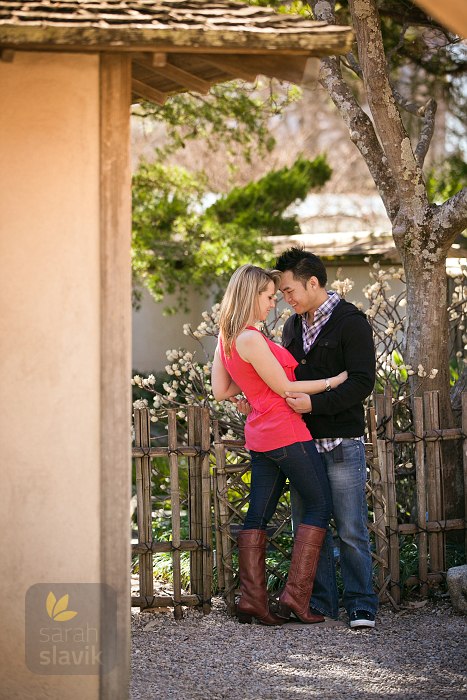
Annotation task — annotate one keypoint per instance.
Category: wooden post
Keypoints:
(217, 529)
(147, 499)
(381, 542)
(143, 503)
(196, 557)
(222, 495)
(394, 562)
(464, 454)
(115, 364)
(434, 483)
(420, 471)
(175, 504)
(206, 508)
(218, 540)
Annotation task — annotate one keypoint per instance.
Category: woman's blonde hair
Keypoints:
(240, 301)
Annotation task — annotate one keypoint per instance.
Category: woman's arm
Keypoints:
(223, 387)
(253, 348)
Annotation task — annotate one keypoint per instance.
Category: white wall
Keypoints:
(154, 333)
(49, 346)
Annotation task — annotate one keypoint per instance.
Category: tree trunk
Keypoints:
(426, 343)
(422, 232)
(426, 339)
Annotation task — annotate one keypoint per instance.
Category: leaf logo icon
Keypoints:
(57, 609)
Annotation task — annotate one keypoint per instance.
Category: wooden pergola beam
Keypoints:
(148, 93)
(178, 75)
(291, 69)
(236, 67)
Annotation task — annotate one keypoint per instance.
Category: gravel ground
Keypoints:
(417, 653)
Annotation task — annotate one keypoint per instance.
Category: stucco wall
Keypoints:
(49, 345)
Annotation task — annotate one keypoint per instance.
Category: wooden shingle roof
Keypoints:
(176, 45)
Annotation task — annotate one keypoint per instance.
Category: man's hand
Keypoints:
(242, 404)
(301, 403)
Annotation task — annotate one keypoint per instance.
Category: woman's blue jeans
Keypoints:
(301, 464)
(346, 469)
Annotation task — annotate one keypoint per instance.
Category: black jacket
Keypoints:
(344, 343)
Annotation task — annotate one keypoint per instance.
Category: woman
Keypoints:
(279, 442)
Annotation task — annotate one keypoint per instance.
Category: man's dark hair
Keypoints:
(302, 265)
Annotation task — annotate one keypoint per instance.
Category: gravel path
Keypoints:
(418, 653)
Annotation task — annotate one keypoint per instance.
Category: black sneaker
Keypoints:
(362, 618)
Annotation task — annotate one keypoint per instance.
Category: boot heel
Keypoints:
(244, 618)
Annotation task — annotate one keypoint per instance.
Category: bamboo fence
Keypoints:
(191, 459)
(427, 521)
(217, 500)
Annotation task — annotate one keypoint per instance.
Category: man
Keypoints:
(327, 335)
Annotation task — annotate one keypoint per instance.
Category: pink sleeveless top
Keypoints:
(271, 422)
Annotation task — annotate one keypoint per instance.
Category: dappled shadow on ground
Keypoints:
(416, 654)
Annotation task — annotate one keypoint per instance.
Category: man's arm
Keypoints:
(359, 361)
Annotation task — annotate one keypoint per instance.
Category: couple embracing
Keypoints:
(305, 423)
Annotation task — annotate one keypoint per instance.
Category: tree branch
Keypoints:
(387, 120)
(352, 64)
(426, 134)
(360, 127)
(426, 111)
(451, 216)
(399, 45)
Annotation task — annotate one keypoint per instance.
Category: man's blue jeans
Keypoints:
(300, 463)
(346, 469)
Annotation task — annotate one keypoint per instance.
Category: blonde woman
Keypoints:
(279, 442)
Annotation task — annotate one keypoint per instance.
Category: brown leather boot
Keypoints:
(297, 592)
(251, 564)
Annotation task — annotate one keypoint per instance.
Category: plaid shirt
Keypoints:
(310, 332)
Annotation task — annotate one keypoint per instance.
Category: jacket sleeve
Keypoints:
(359, 360)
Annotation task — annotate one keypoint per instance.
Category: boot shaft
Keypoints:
(305, 555)
(251, 559)
(252, 571)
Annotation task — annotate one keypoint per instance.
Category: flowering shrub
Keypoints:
(387, 321)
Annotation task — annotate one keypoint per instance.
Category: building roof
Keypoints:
(176, 45)
(350, 226)
(126, 23)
